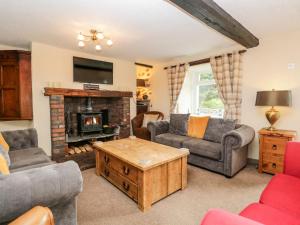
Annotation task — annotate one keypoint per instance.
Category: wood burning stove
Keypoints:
(89, 122)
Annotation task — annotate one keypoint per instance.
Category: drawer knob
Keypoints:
(126, 186)
(126, 170)
(274, 147)
(106, 172)
(106, 159)
(274, 165)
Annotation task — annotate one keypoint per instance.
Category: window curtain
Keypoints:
(176, 75)
(227, 71)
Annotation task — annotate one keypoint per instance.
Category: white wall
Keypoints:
(51, 64)
(265, 67)
(14, 125)
(160, 94)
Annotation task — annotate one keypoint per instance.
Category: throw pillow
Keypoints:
(216, 128)
(3, 143)
(5, 155)
(197, 126)
(179, 124)
(149, 118)
(3, 166)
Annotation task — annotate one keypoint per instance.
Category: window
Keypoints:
(199, 93)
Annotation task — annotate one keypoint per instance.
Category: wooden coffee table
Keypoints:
(144, 170)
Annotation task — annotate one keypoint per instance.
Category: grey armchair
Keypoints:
(36, 180)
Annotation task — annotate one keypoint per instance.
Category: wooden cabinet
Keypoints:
(272, 149)
(146, 171)
(15, 85)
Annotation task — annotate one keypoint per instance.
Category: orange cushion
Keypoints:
(3, 166)
(3, 143)
(197, 126)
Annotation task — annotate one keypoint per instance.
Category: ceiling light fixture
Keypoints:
(81, 44)
(98, 47)
(95, 37)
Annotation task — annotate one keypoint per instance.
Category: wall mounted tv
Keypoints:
(92, 71)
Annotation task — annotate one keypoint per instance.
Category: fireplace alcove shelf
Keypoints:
(73, 101)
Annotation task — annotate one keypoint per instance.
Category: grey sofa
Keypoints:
(36, 180)
(226, 156)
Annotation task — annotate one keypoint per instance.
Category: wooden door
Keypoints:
(9, 90)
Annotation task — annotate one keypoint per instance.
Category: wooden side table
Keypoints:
(272, 149)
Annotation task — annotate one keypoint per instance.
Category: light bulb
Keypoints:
(98, 47)
(109, 42)
(81, 44)
(80, 37)
(100, 35)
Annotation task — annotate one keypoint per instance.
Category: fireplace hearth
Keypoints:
(78, 114)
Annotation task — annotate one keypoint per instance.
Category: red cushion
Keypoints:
(220, 217)
(292, 158)
(268, 215)
(283, 193)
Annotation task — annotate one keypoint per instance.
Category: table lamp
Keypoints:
(273, 98)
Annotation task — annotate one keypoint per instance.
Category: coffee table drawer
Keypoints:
(122, 183)
(123, 168)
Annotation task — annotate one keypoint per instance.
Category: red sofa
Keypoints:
(279, 203)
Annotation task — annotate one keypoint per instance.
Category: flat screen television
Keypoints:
(92, 71)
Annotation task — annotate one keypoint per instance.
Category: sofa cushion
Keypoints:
(32, 166)
(204, 148)
(21, 139)
(283, 193)
(4, 170)
(216, 128)
(172, 140)
(5, 154)
(27, 157)
(3, 143)
(178, 124)
(149, 118)
(197, 126)
(221, 217)
(268, 215)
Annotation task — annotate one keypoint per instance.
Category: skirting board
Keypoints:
(252, 161)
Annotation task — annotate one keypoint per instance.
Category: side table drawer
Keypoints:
(123, 168)
(272, 157)
(122, 183)
(275, 144)
(272, 167)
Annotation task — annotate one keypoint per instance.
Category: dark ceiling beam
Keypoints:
(217, 18)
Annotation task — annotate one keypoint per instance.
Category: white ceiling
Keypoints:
(265, 18)
(141, 29)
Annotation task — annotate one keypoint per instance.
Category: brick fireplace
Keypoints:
(67, 104)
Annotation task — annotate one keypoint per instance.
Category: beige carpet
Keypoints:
(101, 203)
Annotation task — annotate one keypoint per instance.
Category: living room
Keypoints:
(179, 117)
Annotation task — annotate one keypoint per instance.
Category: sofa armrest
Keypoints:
(292, 159)
(158, 127)
(45, 186)
(21, 139)
(239, 137)
(220, 217)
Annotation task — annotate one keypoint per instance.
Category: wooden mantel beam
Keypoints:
(217, 18)
(86, 93)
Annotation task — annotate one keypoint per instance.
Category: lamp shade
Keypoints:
(140, 83)
(274, 98)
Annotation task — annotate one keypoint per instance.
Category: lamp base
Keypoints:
(271, 128)
(272, 116)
